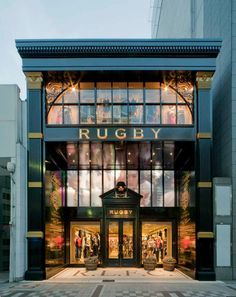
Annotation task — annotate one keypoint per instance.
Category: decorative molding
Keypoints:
(35, 135)
(34, 80)
(35, 184)
(204, 80)
(204, 135)
(204, 184)
(34, 234)
(205, 234)
(116, 47)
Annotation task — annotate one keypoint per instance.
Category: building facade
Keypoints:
(12, 183)
(213, 19)
(119, 146)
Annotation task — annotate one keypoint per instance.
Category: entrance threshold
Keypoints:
(127, 274)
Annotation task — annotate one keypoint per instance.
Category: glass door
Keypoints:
(120, 243)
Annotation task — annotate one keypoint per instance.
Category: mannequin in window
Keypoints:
(78, 245)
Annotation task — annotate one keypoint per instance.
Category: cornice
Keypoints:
(117, 48)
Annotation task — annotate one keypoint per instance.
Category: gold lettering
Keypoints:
(130, 211)
(120, 133)
(138, 133)
(102, 136)
(116, 212)
(84, 133)
(156, 133)
(121, 212)
(126, 212)
(111, 211)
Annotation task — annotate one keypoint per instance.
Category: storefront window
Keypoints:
(152, 92)
(156, 240)
(120, 114)
(87, 114)
(72, 188)
(169, 187)
(71, 95)
(84, 241)
(135, 92)
(169, 114)
(84, 188)
(113, 240)
(96, 187)
(87, 92)
(152, 115)
(119, 92)
(135, 114)
(145, 188)
(157, 188)
(133, 180)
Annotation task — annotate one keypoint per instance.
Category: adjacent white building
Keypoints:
(12, 182)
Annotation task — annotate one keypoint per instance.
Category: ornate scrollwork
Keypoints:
(204, 80)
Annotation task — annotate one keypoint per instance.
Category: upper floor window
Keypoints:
(90, 103)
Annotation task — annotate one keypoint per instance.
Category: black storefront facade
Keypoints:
(130, 112)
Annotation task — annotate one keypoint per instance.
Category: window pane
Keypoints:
(120, 92)
(96, 155)
(55, 115)
(169, 155)
(132, 155)
(108, 155)
(145, 155)
(84, 188)
(108, 180)
(72, 155)
(96, 187)
(113, 240)
(152, 92)
(169, 114)
(72, 188)
(135, 114)
(87, 93)
(127, 248)
(71, 114)
(133, 180)
(152, 114)
(121, 176)
(87, 114)
(71, 95)
(103, 113)
(120, 157)
(169, 189)
(135, 92)
(120, 114)
(157, 188)
(157, 155)
(104, 93)
(184, 115)
(84, 157)
(145, 188)
(168, 95)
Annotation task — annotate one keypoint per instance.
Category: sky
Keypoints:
(28, 19)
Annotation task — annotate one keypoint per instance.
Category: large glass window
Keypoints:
(151, 103)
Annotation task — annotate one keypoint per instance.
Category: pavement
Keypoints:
(118, 282)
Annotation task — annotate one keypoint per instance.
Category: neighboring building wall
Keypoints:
(13, 153)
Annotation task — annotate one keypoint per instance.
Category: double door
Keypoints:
(121, 242)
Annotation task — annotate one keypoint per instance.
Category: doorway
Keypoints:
(121, 247)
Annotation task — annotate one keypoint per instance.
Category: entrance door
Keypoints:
(121, 250)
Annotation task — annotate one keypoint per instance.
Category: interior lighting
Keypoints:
(73, 89)
(166, 88)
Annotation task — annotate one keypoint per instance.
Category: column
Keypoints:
(204, 197)
(35, 234)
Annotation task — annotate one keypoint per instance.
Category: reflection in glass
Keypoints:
(113, 240)
(72, 155)
(104, 92)
(84, 241)
(96, 187)
(96, 155)
(84, 158)
(103, 113)
(109, 180)
(71, 95)
(135, 114)
(120, 157)
(157, 155)
(145, 188)
(152, 92)
(87, 114)
(127, 247)
(55, 115)
(135, 92)
(84, 188)
(169, 114)
(72, 188)
(157, 188)
(132, 155)
(87, 94)
(108, 156)
(169, 186)
(71, 114)
(133, 180)
(152, 114)
(119, 92)
(169, 148)
(184, 115)
(120, 114)
(121, 176)
(145, 155)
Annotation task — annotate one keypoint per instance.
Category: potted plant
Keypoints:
(169, 263)
(149, 263)
(91, 263)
